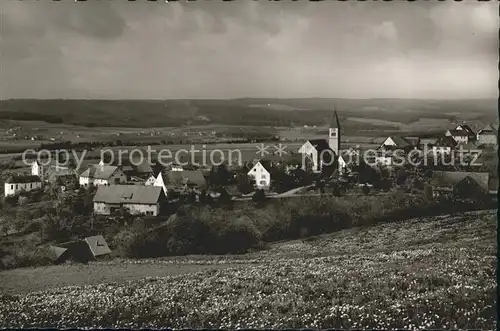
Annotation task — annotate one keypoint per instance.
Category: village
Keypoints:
(320, 164)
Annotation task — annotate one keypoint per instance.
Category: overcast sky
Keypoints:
(114, 49)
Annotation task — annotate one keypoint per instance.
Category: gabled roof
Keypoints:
(194, 177)
(23, 179)
(414, 141)
(98, 245)
(58, 253)
(53, 173)
(334, 122)
(65, 180)
(399, 141)
(99, 172)
(458, 133)
(451, 178)
(127, 163)
(319, 144)
(133, 194)
(465, 128)
(488, 129)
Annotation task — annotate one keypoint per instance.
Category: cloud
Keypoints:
(252, 48)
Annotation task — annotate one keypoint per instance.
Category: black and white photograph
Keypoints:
(249, 164)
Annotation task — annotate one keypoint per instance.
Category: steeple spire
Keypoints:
(335, 123)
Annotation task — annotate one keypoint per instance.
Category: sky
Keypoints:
(145, 50)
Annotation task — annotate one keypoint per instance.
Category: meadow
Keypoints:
(428, 273)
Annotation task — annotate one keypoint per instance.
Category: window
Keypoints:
(262, 176)
(254, 169)
(17, 186)
(262, 182)
(150, 213)
(12, 186)
(333, 133)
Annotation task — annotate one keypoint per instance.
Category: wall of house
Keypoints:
(261, 176)
(461, 139)
(11, 189)
(441, 150)
(137, 209)
(489, 139)
(84, 181)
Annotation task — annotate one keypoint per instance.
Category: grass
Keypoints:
(422, 273)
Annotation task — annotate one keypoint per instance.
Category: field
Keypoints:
(422, 273)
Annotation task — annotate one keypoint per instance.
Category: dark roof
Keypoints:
(465, 128)
(99, 172)
(127, 163)
(319, 144)
(446, 141)
(459, 133)
(134, 194)
(183, 177)
(23, 179)
(65, 180)
(53, 173)
(451, 178)
(97, 245)
(488, 129)
(334, 122)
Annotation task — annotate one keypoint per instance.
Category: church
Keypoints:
(320, 153)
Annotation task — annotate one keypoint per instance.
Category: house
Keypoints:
(66, 182)
(323, 152)
(467, 129)
(137, 199)
(460, 136)
(444, 145)
(261, 174)
(15, 184)
(459, 183)
(170, 180)
(131, 167)
(396, 142)
(102, 175)
(84, 250)
(347, 159)
(487, 136)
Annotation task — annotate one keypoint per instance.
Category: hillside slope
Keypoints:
(423, 273)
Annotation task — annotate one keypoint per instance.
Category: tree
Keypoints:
(259, 197)
(244, 185)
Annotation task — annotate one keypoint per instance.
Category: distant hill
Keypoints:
(245, 111)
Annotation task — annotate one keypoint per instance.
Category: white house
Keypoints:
(102, 175)
(487, 136)
(136, 199)
(347, 159)
(15, 184)
(261, 174)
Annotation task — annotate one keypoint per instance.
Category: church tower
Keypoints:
(334, 134)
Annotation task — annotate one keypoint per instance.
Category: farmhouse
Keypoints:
(137, 199)
(15, 184)
(460, 184)
(347, 159)
(460, 136)
(261, 174)
(467, 129)
(102, 175)
(84, 250)
(131, 167)
(179, 180)
(487, 136)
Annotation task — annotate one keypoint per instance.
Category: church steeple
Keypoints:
(334, 133)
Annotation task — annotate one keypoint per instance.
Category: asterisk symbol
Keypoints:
(262, 150)
(280, 150)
